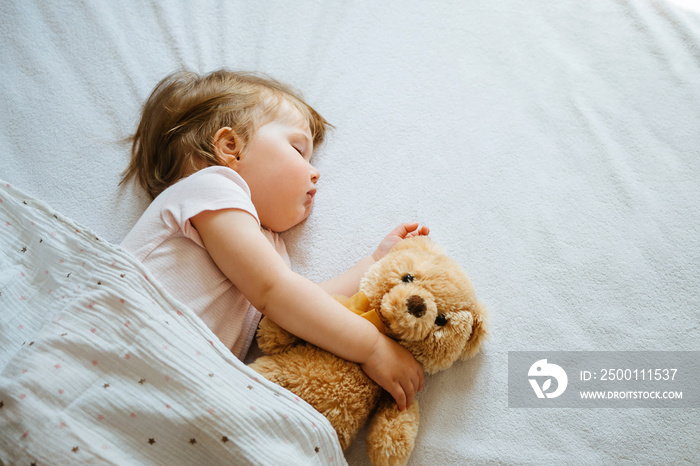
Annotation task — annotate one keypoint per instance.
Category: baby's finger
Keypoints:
(405, 229)
(417, 383)
(398, 393)
(423, 231)
(410, 392)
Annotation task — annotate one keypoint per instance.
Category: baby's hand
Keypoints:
(403, 231)
(395, 370)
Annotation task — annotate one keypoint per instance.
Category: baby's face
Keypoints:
(276, 165)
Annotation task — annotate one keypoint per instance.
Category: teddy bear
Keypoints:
(416, 295)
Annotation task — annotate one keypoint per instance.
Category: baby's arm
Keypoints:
(235, 242)
(348, 283)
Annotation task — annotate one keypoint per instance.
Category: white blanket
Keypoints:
(99, 364)
(552, 147)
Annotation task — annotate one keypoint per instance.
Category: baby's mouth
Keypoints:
(310, 195)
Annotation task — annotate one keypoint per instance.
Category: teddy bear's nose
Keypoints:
(416, 305)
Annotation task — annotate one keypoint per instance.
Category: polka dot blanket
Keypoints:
(98, 364)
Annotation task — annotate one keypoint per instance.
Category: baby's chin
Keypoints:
(282, 226)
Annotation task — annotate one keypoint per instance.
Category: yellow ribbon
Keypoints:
(359, 304)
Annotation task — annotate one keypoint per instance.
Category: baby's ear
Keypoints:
(227, 146)
(479, 331)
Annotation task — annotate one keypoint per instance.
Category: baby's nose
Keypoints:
(315, 175)
(416, 305)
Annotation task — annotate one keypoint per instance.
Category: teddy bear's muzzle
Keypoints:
(409, 312)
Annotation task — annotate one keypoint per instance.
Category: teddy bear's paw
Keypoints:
(385, 459)
(392, 433)
(272, 338)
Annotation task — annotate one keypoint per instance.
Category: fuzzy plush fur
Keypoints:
(427, 304)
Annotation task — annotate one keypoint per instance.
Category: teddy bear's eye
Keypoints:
(441, 320)
(407, 278)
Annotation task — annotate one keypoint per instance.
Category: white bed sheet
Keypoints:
(552, 147)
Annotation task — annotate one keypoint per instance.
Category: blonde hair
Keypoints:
(175, 135)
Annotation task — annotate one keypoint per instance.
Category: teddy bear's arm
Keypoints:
(272, 338)
(392, 433)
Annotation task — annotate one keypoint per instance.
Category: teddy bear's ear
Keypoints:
(479, 331)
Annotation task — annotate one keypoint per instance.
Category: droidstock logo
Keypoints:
(545, 371)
